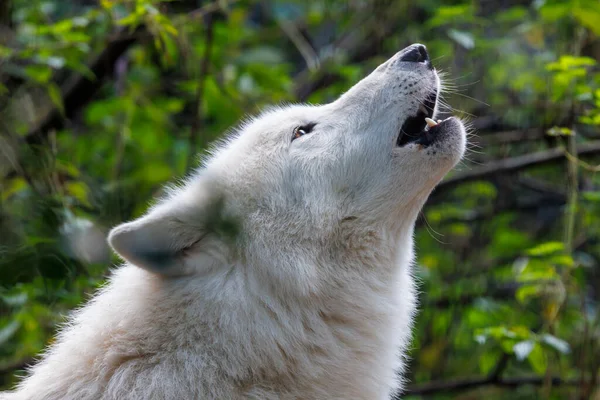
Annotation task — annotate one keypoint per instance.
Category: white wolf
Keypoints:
(279, 270)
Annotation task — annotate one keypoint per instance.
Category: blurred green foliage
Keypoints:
(508, 262)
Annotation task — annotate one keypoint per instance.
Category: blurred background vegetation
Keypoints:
(103, 101)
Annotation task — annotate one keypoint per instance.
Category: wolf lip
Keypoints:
(429, 135)
(413, 128)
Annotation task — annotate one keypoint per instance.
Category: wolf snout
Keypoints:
(416, 53)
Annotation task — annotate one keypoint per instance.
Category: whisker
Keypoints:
(431, 231)
(439, 58)
(471, 146)
(472, 161)
(470, 150)
(471, 98)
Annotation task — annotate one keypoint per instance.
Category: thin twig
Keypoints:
(582, 164)
(508, 137)
(303, 46)
(210, 8)
(572, 183)
(79, 89)
(358, 43)
(504, 292)
(459, 385)
(519, 163)
(121, 71)
(518, 206)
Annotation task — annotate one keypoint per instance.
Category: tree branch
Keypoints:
(79, 90)
(503, 292)
(508, 137)
(518, 206)
(359, 44)
(458, 385)
(304, 47)
(519, 163)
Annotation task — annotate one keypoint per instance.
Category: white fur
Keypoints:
(308, 296)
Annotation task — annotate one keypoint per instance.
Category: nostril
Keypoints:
(424, 54)
(415, 53)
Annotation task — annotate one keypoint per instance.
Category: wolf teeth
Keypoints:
(430, 123)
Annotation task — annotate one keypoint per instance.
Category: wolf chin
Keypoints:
(281, 269)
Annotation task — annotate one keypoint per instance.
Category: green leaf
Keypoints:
(591, 196)
(526, 292)
(80, 21)
(589, 17)
(537, 270)
(585, 259)
(14, 300)
(590, 120)
(107, 4)
(559, 131)
(6, 52)
(546, 249)
(500, 333)
(269, 55)
(68, 168)
(553, 12)
(523, 349)
(452, 15)
(53, 61)
(563, 260)
(8, 331)
(38, 73)
(78, 190)
(56, 96)
(132, 20)
(537, 359)
(567, 63)
(487, 361)
(512, 14)
(465, 39)
(556, 343)
(35, 240)
(508, 241)
(14, 186)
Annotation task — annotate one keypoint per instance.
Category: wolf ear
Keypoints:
(157, 242)
(170, 239)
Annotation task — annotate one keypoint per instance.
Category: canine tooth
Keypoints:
(423, 109)
(430, 122)
(439, 121)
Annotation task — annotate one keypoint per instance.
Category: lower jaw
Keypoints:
(428, 135)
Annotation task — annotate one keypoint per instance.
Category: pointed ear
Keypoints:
(156, 242)
(170, 240)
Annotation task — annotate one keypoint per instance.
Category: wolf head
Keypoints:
(298, 178)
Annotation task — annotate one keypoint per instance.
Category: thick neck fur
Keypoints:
(313, 312)
(322, 312)
(337, 337)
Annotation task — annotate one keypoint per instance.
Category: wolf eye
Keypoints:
(302, 130)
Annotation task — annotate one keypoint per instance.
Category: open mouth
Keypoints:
(420, 129)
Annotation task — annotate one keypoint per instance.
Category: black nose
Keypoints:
(415, 53)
